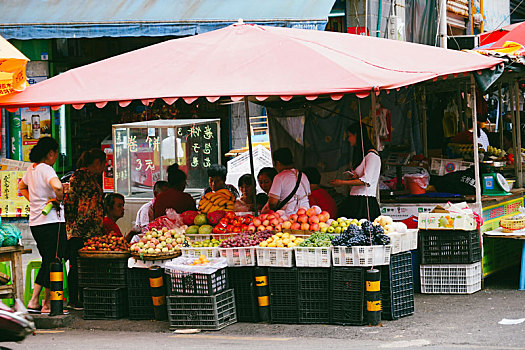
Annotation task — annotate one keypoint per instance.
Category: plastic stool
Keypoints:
(5, 268)
(33, 266)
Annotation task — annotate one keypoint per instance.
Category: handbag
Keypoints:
(282, 203)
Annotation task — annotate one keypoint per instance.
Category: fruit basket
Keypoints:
(509, 225)
(374, 255)
(275, 257)
(313, 256)
(195, 252)
(94, 254)
(153, 257)
(239, 256)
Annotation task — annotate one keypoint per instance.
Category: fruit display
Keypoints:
(232, 223)
(339, 225)
(106, 243)
(389, 226)
(200, 226)
(308, 219)
(494, 151)
(267, 222)
(218, 200)
(201, 260)
(206, 243)
(318, 239)
(245, 239)
(365, 235)
(281, 240)
(158, 242)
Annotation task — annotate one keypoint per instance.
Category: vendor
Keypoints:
(217, 178)
(319, 195)
(466, 137)
(174, 197)
(290, 187)
(113, 210)
(247, 201)
(265, 178)
(146, 213)
(362, 201)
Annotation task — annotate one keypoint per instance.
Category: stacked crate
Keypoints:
(347, 294)
(397, 287)
(242, 281)
(450, 261)
(199, 300)
(140, 304)
(104, 283)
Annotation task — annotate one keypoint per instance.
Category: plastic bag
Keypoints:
(421, 180)
(11, 235)
(183, 264)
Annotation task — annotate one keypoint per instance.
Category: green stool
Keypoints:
(32, 269)
(5, 267)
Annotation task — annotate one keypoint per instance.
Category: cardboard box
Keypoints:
(446, 221)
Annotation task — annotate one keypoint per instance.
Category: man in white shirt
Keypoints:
(285, 182)
(145, 215)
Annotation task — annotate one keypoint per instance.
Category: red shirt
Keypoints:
(322, 198)
(111, 226)
(174, 199)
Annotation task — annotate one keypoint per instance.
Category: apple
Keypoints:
(140, 244)
(310, 212)
(266, 222)
(274, 222)
(154, 234)
(257, 222)
(164, 229)
(163, 243)
(179, 240)
(280, 220)
(330, 229)
(157, 250)
(148, 237)
(301, 211)
(169, 246)
(269, 228)
(324, 216)
(165, 250)
(287, 224)
(151, 251)
(162, 238)
(261, 228)
(278, 228)
(293, 218)
(169, 240)
(251, 228)
(296, 226)
(314, 227)
(324, 229)
(314, 219)
(277, 214)
(263, 217)
(305, 226)
(302, 219)
(270, 217)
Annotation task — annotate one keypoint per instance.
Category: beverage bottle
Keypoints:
(47, 208)
(35, 121)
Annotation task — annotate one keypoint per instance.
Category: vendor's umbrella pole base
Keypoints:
(373, 297)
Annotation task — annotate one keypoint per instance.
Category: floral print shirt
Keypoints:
(84, 205)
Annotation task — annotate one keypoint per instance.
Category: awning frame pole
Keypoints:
(500, 116)
(514, 136)
(475, 141)
(517, 157)
(252, 167)
(425, 131)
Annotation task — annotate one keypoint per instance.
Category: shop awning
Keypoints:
(46, 19)
(256, 61)
(12, 68)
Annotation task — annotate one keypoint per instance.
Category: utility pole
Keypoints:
(443, 23)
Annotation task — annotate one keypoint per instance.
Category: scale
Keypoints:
(495, 184)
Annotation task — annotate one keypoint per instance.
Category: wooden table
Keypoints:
(498, 233)
(13, 255)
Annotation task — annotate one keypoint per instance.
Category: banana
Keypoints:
(220, 201)
(224, 192)
(207, 207)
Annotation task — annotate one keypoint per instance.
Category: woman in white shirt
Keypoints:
(40, 185)
(362, 201)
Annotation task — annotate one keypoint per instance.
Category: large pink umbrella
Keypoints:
(250, 60)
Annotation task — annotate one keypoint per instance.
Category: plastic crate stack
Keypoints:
(140, 304)
(242, 281)
(199, 300)
(397, 287)
(450, 258)
(104, 283)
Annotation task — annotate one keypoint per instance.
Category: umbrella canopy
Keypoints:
(12, 68)
(508, 41)
(250, 60)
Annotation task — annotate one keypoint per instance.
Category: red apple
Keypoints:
(263, 217)
(324, 216)
(280, 220)
(261, 228)
(305, 226)
(274, 222)
(278, 228)
(257, 222)
(301, 211)
(251, 228)
(287, 224)
(310, 212)
(269, 228)
(296, 226)
(313, 219)
(302, 219)
(266, 222)
(270, 217)
(277, 215)
(314, 227)
(293, 218)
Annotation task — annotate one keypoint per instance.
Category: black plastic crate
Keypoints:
(139, 295)
(397, 287)
(210, 312)
(449, 247)
(197, 283)
(105, 303)
(347, 295)
(284, 304)
(242, 281)
(102, 272)
(314, 295)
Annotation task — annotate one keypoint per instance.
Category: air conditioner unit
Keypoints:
(462, 42)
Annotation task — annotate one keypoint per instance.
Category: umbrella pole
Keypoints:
(500, 117)
(252, 168)
(477, 178)
(517, 152)
(518, 134)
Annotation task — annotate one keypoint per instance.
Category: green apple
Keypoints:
(324, 229)
(331, 229)
(334, 223)
(338, 230)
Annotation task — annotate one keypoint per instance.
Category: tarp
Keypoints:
(12, 68)
(250, 60)
(46, 19)
(508, 42)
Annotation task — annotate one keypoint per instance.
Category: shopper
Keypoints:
(217, 178)
(146, 213)
(362, 201)
(174, 197)
(247, 201)
(290, 188)
(319, 196)
(265, 178)
(40, 185)
(84, 212)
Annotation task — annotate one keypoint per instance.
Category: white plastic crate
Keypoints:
(375, 255)
(442, 166)
(313, 256)
(403, 242)
(244, 256)
(195, 252)
(275, 257)
(396, 241)
(450, 278)
(198, 237)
